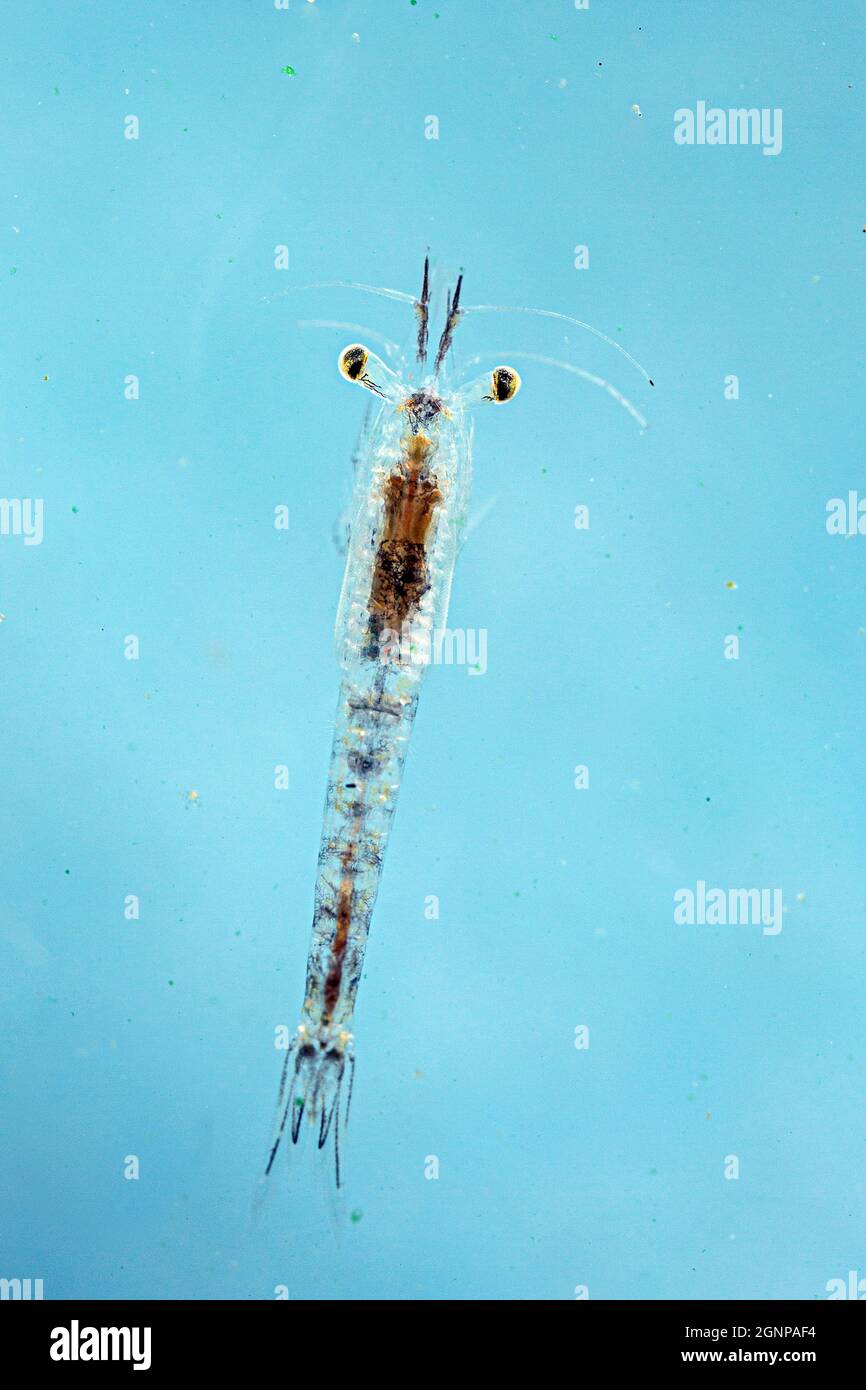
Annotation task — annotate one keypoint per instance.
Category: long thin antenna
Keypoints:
(564, 318)
(566, 367)
(352, 285)
(365, 335)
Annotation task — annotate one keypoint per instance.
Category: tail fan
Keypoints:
(311, 1084)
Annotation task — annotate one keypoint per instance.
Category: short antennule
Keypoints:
(422, 309)
(452, 318)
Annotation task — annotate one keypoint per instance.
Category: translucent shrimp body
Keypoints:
(410, 499)
(406, 521)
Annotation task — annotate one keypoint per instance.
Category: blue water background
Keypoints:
(559, 1168)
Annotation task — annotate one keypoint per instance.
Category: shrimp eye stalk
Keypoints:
(355, 363)
(498, 386)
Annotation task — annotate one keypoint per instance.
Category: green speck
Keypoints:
(290, 72)
(75, 509)
(299, 1102)
(171, 982)
(554, 37)
(357, 1213)
(66, 871)
(654, 1172)
(57, 91)
(13, 270)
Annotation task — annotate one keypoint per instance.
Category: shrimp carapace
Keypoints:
(411, 496)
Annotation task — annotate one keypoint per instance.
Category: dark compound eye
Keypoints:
(505, 384)
(353, 362)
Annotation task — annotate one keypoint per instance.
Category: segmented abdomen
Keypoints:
(374, 719)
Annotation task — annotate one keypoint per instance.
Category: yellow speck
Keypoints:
(731, 584)
(801, 897)
(192, 796)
